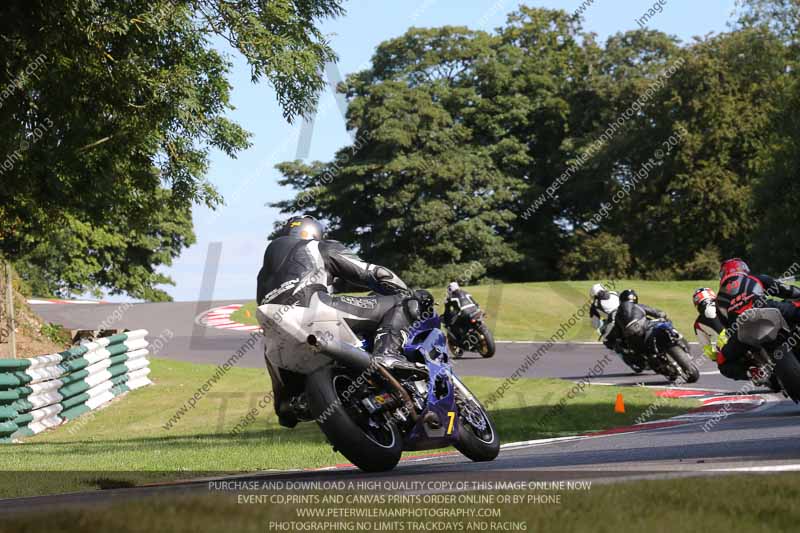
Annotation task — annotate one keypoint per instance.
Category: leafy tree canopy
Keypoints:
(538, 153)
(109, 110)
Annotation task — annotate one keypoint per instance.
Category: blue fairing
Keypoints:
(664, 334)
(427, 344)
(665, 324)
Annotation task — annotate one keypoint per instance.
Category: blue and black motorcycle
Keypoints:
(371, 414)
(663, 350)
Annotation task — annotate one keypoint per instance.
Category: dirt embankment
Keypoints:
(33, 335)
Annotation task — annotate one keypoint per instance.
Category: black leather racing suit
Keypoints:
(295, 269)
(459, 300)
(631, 325)
(739, 293)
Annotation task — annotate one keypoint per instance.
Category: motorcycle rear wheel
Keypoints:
(488, 347)
(370, 446)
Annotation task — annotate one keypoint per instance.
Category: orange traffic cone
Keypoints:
(619, 406)
(247, 313)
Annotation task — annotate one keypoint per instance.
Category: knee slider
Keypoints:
(382, 274)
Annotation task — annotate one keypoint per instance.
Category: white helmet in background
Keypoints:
(596, 289)
(451, 288)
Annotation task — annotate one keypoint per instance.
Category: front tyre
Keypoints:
(487, 342)
(477, 437)
(688, 368)
(372, 445)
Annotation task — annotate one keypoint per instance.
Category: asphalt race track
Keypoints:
(199, 344)
(763, 439)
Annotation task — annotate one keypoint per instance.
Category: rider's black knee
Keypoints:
(418, 306)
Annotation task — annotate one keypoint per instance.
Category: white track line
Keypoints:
(564, 343)
(771, 468)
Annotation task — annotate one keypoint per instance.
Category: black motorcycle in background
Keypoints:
(664, 351)
(470, 333)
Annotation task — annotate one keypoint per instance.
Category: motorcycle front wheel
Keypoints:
(371, 445)
(477, 438)
(684, 360)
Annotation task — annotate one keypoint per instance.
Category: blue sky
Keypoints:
(250, 181)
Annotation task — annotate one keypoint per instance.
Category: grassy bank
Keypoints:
(534, 311)
(128, 442)
(752, 503)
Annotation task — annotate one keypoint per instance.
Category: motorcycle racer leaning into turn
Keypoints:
(303, 269)
(457, 300)
(604, 304)
(708, 327)
(739, 291)
(631, 323)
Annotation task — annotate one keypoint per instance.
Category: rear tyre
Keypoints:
(787, 369)
(487, 345)
(477, 435)
(683, 359)
(371, 446)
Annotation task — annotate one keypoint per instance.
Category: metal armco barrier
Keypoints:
(49, 390)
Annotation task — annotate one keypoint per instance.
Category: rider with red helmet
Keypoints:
(740, 291)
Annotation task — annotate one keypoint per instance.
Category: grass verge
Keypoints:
(535, 311)
(753, 503)
(127, 442)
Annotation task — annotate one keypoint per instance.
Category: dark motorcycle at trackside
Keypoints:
(770, 337)
(664, 351)
(470, 333)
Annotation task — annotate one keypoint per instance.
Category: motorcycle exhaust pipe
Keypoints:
(343, 353)
(354, 358)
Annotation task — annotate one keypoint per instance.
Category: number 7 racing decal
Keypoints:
(452, 416)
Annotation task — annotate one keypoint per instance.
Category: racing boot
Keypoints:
(388, 350)
(286, 415)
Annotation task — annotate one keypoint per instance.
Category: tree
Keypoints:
(775, 246)
(109, 111)
(538, 103)
(597, 256)
(540, 154)
(414, 191)
(77, 256)
(459, 130)
(679, 174)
